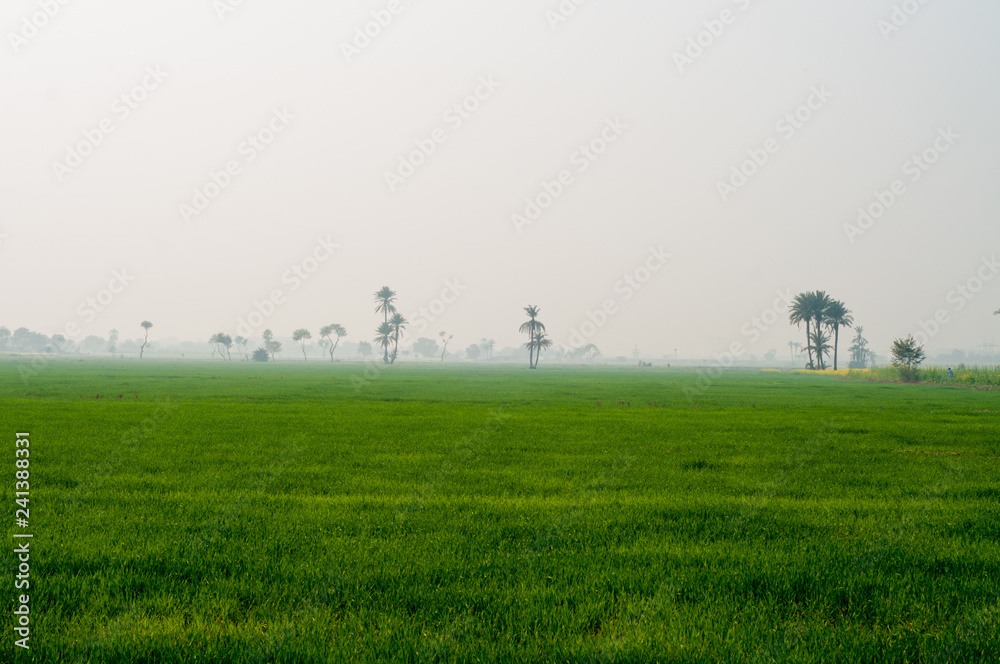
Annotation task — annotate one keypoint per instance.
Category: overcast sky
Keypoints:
(116, 115)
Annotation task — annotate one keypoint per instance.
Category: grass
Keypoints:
(985, 376)
(318, 512)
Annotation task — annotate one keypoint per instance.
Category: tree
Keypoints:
(112, 341)
(540, 343)
(261, 355)
(425, 347)
(907, 356)
(473, 352)
(791, 348)
(4, 337)
(532, 327)
(385, 298)
(835, 315)
(223, 342)
(819, 344)
(145, 325)
(365, 349)
(383, 338)
(336, 329)
(242, 342)
(487, 345)
(859, 350)
(92, 344)
(445, 340)
(301, 336)
(810, 308)
(398, 323)
(271, 345)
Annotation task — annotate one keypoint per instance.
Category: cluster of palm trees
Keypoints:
(822, 315)
(388, 331)
(537, 341)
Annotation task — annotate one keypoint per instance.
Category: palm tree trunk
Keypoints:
(836, 341)
(809, 345)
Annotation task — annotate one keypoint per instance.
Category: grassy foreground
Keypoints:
(308, 513)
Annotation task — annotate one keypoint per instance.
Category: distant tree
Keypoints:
(271, 345)
(145, 326)
(445, 340)
(301, 336)
(242, 342)
(398, 324)
(61, 344)
(769, 355)
(488, 345)
(223, 343)
(425, 347)
(533, 328)
(791, 349)
(261, 355)
(385, 298)
(112, 341)
(859, 350)
(327, 331)
(819, 345)
(907, 355)
(473, 352)
(4, 337)
(835, 315)
(92, 344)
(541, 342)
(383, 338)
(365, 349)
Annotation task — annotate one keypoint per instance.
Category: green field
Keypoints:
(243, 512)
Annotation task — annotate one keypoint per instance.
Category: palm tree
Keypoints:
(398, 323)
(383, 338)
(859, 350)
(837, 314)
(385, 297)
(327, 330)
(820, 344)
(801, 312)
(145, 325)
(302, 335)
(791, 349)
(532, 327)
(541, 343)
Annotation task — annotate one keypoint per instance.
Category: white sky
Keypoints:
(656, 186)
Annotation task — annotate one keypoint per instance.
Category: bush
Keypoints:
(908, 374)
(260, 355)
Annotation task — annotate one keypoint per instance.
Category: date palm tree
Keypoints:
(385, 299)
(810, 308)
(398, 323)
(837, 314)
(819, 343)
(532, 327)
(540, 343)
(383, 338)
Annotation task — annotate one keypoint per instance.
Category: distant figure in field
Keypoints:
(950, 374)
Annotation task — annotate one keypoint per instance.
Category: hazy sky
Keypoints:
(116, 113)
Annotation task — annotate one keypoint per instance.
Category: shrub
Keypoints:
(260, 355)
